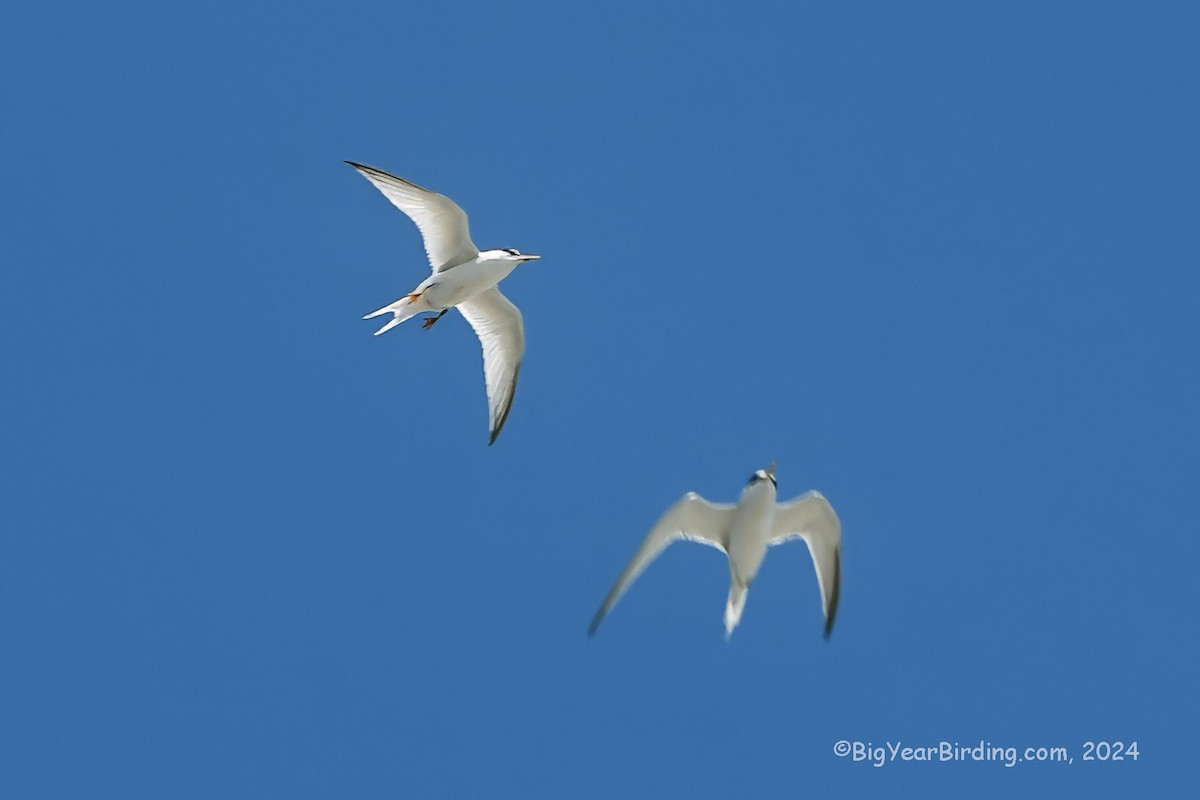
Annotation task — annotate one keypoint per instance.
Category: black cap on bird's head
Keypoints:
(767, 474)
(518, 255)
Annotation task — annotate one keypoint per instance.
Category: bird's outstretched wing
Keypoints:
(811, 518)
(692, 518)
(442, 223)
(501, 331)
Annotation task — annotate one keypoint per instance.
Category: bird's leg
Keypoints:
(430, 320)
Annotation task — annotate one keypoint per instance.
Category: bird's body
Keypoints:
(744, 532)
(464, 278)
(749, 533)
(750, 530)
(449, 288)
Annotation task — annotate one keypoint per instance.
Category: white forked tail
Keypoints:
(404, 308)
(735, 606)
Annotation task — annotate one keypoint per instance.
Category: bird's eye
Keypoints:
(513, 252)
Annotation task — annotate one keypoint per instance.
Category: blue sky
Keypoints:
(940, 262)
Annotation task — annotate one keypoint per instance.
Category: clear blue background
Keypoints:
(939, 261)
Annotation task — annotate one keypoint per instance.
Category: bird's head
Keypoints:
(510, 254)
(767, 474)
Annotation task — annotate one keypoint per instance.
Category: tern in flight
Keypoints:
(464, 278)
(744, 532)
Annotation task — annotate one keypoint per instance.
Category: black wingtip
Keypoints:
(364, 168)
(836, 595)
(596, 620)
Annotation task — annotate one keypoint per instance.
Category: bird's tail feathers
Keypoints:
(735, 606)
(402, 309)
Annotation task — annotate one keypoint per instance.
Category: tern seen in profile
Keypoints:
(464, 278)
(743, 532)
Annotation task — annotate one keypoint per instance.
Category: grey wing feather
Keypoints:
(501, 331)
(442, 223)
(811, 518)
(692, 518)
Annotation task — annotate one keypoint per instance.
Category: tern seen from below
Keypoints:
(464, 278)
(744, 532)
